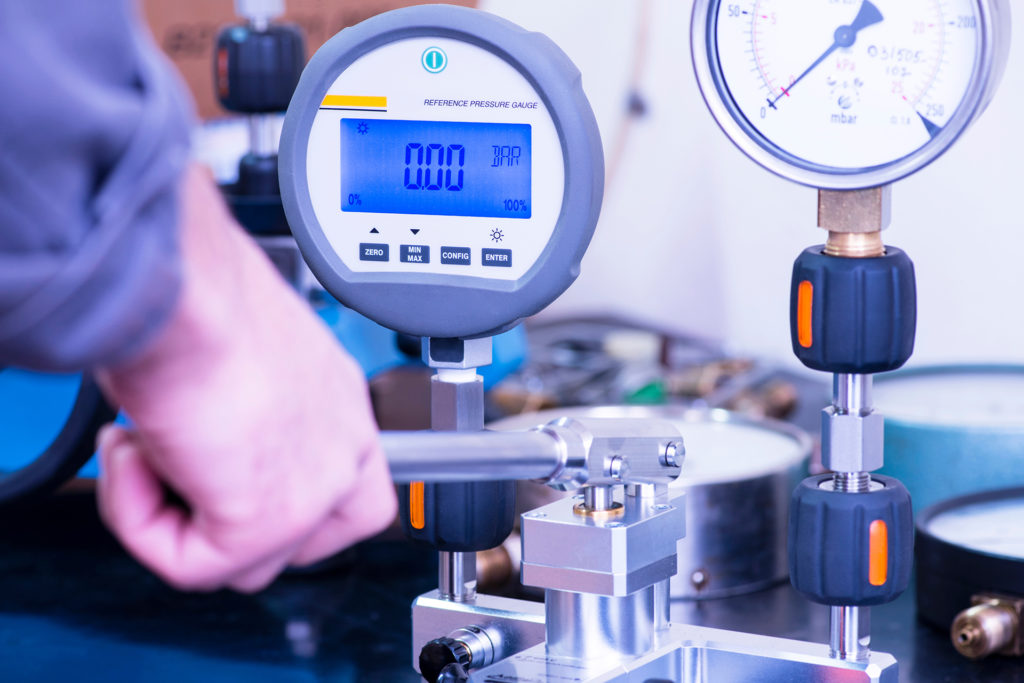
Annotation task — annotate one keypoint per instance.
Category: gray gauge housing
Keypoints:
(989, 67)
(432, 305)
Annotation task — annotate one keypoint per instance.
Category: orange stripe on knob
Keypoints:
(417, 515)
(804, 300)
(878, 553)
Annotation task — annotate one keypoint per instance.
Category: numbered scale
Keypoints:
(846, 94)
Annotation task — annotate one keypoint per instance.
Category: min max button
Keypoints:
(497, 258)
(415, 253)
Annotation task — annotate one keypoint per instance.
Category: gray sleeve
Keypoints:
(94, 138)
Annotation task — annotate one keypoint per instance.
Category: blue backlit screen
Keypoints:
(438, 168)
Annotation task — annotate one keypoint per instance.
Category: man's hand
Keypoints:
(247, 409)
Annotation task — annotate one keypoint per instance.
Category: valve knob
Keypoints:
(853, 315)
(458, 517)
(438, 656)
(256, 71)
(853, 549)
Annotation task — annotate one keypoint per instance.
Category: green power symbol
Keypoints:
(434, 60)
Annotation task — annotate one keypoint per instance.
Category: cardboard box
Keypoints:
(186, 30)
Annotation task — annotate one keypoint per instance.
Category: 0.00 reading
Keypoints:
(434, 161)
(436, 168)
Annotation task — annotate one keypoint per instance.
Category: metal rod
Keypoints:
(849, 629)
(262, 141)
(597, 498)
(851, 394)
(457, 576)
(471, 456)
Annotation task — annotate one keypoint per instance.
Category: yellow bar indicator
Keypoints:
(355, 102)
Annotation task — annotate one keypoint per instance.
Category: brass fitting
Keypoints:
(990, 626)
(855, 220)
(616, 510)
(855, 244)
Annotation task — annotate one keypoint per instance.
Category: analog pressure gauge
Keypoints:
(847, 94)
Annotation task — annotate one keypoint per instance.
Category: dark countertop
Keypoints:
(73, 606)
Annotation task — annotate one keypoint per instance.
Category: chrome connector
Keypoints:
(851, 442)
(612, 451)
(457, 354)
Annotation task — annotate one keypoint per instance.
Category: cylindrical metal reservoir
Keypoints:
(739, 474)
(953, 430)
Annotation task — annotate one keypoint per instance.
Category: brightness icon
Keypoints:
(362, 129)
(497, 235)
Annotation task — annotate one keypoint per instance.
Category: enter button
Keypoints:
(498, 258)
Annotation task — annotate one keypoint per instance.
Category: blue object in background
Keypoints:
(33, 409)
(34, 406)
(953, 430)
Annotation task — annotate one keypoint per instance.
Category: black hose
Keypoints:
(68, 452)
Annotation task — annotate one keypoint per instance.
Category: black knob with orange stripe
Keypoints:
(256, 71)
(853, 315)
(853, 549)
(459, 517)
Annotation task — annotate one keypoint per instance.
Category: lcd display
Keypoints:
(438, 168)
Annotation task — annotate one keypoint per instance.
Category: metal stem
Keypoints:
(457, 405)
(597, 498)
(850, 627)
(849, 632)
(457, 576)
(261, 135)
(851, 394)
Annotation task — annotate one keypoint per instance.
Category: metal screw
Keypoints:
(616, 467)
(672, 453)
(699, 579)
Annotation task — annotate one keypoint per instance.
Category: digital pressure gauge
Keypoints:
(441, 170)
(848, 94)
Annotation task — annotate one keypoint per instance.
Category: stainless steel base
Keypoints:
(681, 653)
(694, 654)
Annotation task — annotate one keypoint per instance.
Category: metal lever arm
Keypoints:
(564, 454)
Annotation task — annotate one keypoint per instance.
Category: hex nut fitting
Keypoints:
(852, 443)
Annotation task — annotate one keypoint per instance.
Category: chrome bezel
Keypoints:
(990, 60)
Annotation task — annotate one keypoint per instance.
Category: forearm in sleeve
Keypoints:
(94, 139)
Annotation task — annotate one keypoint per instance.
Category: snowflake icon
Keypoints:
(497, 235)
(362, 128)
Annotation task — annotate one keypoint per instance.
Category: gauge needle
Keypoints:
(845, 36)
(932, 127)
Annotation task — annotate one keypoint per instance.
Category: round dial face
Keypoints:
(845, 86)
(990, 527)
(441, 170)
(452, 167)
